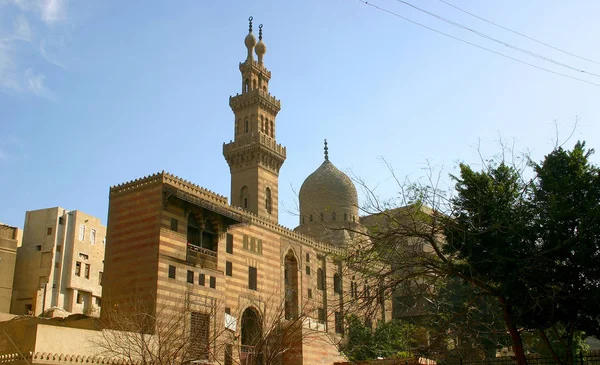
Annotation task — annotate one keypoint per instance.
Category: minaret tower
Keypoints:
(254, 157)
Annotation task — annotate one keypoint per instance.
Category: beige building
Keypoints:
(10, 239)
(60, 263)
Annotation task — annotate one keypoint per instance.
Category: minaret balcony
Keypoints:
(253, 139)
(253, 97)
(202, 257)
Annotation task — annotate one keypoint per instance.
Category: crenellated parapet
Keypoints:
(255, 97)
(167, 178)
(56, 359)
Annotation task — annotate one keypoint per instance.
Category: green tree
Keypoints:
(389, 340)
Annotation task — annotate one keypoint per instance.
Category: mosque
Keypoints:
(170, 241)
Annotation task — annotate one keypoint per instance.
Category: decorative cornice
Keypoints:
(166, 178)
(255, 149)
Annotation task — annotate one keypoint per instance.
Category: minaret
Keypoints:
(254, 157)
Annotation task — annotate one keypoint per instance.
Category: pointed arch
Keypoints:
(244, 197)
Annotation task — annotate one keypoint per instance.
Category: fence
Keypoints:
(581, 358)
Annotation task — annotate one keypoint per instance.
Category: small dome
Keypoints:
(261, 48)
(250, 41)
(328, 195)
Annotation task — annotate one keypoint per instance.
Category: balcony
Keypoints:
(202, 257)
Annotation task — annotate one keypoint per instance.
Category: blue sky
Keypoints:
(93, 94)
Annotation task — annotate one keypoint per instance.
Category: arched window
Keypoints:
(267, 128)
(353, 218)
(320, 279)
(268, 201)
(253, 244)
(245, 242)
(262, 124)
(254, 85)
(272, 130)
(264, 88)
(246, 86)
(310, 218)
(337, 284)
(333, 216)
(259, 246)
(246, 125)
(244, 197)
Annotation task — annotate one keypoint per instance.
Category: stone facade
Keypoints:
(10, 239)
(60, 263)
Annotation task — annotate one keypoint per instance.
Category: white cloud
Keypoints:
(44, 50)
(53, 11)
(21, 29)
(36, 83)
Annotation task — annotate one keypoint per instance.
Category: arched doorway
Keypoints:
(252, 337)
(291, 285)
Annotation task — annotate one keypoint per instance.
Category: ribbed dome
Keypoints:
(328, 195)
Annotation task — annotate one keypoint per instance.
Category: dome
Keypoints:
(250, 40)
(261, 48)
(328, 195)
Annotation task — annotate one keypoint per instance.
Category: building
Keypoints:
(10, 239)
(60, 263)
(174, 246)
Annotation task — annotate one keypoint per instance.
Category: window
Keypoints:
(228, 268)
(99, 301)
(174, 224)
(61, 220)
(321, 314)
(259, 247)
(87, 271)
(309, 293)
(307, 257)
(302, 220)
(82, 232)
(246, 125)
(38, 247)
(172, 272)
(337, 284)
(245, 242)
(272, 129)
(57, 265)
(201, 280)
(213, 282)
(345, 217)
(199, 335)
(227, 310)
(310, 219)
(77, 268)
(93, 237)
(253, 244)
(229, 244)
(333, 216)
(268, 201)
(228, 354)
(252, 278)
(339, 322)
(321, 216)
(244, 197)
(100, 278)
(307, 270)
(190, 276)
(49, 231)
(79, 297)
(58, 248)
(320, 279)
